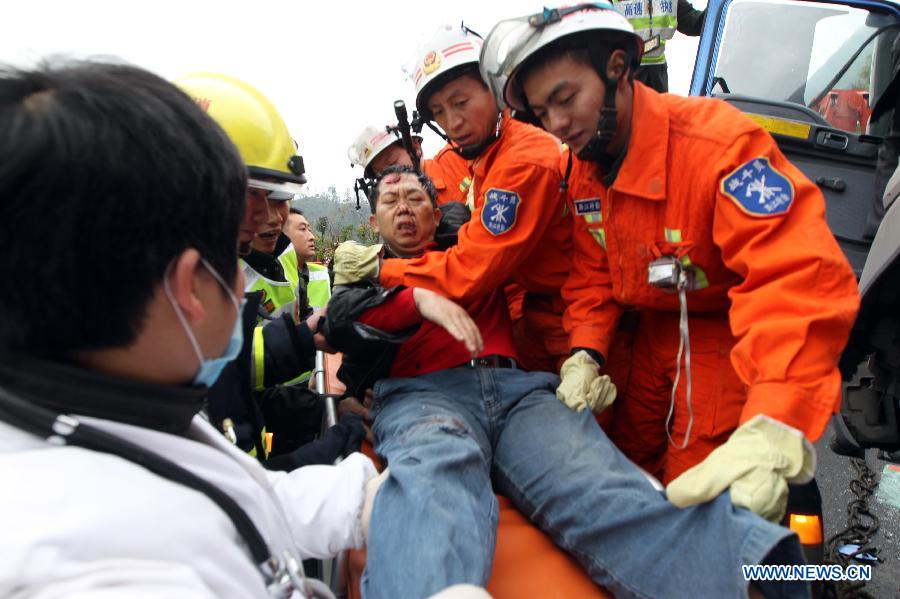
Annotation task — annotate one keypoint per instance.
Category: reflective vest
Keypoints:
(655, 21)
(280, 297)
(318, 291)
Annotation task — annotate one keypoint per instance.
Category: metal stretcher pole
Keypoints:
(332, 569)
(322, 390)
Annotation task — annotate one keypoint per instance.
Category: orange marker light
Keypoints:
(807, 527)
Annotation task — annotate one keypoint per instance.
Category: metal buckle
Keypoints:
(493, 361)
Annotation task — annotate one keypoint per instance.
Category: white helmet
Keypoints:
(511, 42)
(449, 50)
(371, 142)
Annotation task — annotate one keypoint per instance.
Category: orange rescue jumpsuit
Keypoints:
(773, 301)
(450, 173)
(519, 232)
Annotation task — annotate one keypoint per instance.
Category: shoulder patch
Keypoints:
(758, 188)
(587, 206)
(501, 207)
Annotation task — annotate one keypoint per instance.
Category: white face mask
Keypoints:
(209, 369)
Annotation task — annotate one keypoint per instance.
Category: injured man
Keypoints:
(456, 420)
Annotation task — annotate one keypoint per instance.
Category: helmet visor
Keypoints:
(510, 42)
(500, 53)
(276, 190)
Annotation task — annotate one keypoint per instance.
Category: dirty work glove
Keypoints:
(756, 463)
(372, 487)
(354, 262)
(582, 386)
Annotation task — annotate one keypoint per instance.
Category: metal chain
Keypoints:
(862, 525)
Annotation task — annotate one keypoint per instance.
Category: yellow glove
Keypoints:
(372, 487)
(354, 262)
(582, 386)
(757, 462)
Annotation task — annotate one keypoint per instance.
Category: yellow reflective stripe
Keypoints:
(593, 218)
(464, 184)
(280, 297)
(318, 291)
(259, 359)
(657, 58)
(266, 443)
(599, 236)
(673, 235)
(288, 259)
(700, 280)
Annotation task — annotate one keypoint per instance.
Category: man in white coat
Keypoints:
(112, 327)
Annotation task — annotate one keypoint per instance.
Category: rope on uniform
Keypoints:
(862, 525)
(684, 347)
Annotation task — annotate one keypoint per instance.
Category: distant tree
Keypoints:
(322, 225)
(345, 234)
(365, 234)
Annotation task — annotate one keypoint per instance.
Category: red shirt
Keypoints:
(432, 348)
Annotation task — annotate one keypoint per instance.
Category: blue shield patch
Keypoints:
(759, 189)
(498, 215)
(587, 206)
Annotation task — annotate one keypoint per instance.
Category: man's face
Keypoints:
(465, 109)
(393, 155)
(269, 225)
(255, 215)
(302, 237)
(566, 95)
(404, 215)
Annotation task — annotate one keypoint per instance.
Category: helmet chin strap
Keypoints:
(595, 149)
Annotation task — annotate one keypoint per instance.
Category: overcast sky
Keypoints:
(330, 67)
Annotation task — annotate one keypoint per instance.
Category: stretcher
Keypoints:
(522, 547)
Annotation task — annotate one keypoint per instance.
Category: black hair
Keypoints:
(464, 70)
(424, 180)
(584, 48)
(107, 174)
(296, 211)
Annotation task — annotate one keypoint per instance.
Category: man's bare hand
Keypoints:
(449, 316)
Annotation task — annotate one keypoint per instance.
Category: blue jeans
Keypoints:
(447, 436)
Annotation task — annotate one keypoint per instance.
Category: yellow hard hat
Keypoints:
(254, 126)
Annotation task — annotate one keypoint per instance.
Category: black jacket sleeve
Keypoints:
(368, 352)
(690, 20)
(453, 216)
(288, 350)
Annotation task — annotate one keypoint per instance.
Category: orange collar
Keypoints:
(643, 172)
(477, 164)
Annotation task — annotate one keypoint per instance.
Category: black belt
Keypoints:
(492, 361)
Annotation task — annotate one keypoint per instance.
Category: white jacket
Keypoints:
(79, 523)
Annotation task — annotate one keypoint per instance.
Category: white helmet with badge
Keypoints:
(371, 142)
(512, 42)
(596, 27)
(452, 49)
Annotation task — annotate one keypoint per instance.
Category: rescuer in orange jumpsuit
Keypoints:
(519, 230)
(687, 213)
(450, 173)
